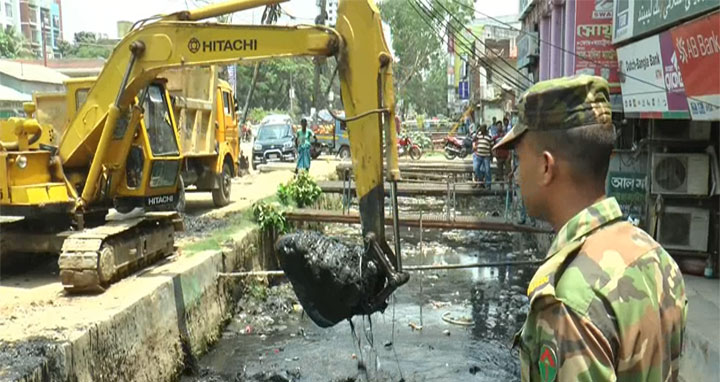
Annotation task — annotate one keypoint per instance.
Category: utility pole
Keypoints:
(320, 20)
(269, 17)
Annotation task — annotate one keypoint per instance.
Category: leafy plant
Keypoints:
(421, 139)
(302, 190)
(284, 193)
(270, 216)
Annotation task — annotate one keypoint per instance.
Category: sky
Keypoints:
(101, 16)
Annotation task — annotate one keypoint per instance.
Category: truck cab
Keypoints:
(332, 138)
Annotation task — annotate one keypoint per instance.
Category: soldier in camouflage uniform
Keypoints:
(608, 303)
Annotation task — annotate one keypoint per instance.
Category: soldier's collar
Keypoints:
(543, 282)
(586, 221)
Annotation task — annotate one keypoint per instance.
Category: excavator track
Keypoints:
(94, 258)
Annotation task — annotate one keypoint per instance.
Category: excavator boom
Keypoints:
(97, 144)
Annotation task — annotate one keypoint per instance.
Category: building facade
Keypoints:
(331, 8)
(661, 61)
(41, 24)
(482, 68)
(10, 15)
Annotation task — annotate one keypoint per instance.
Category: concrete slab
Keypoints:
(701, 347)
(144, 328)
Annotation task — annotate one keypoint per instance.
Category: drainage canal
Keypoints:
(443, 325)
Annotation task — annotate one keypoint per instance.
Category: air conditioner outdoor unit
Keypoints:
(684, 228)
(697, 131)
(680, 174)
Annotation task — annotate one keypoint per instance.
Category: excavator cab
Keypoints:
(150, 175)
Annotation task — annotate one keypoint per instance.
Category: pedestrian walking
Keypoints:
(303, 143)
(608, 303)
(482, 156)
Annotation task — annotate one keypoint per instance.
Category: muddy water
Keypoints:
(442, 326)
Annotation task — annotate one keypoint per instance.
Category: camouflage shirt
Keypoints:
(608, 304)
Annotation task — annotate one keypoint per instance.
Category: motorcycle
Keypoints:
(458, 147)
(405, 146)
(246, 133)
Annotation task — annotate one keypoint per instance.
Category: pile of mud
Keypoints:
(333, 281)
(19, 360)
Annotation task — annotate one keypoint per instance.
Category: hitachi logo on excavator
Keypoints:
(160, 200)
(195, 45)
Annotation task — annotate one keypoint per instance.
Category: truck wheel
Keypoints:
(221, 195)
(344, 153)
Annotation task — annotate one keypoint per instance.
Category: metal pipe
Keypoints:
(396, 224)
(214, 10)
(475, 265)
(414, 268)
(252, 273)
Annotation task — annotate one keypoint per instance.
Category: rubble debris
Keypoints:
(414, 326)
(25, 358)
(333, 281)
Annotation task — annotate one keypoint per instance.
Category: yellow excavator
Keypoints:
(122, 143)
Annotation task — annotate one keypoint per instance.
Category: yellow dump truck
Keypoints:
(207, 121)
(205, 111)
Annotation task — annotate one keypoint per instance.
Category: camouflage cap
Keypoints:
(561, 103)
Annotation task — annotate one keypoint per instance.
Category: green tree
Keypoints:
(12, 44)
(420, 52)
(276, 77)
(88, 45)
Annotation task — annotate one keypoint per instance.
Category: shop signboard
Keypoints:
(652, 85)
(633, 18)
(697, 48)
(593, 42)
(464, 90)
(629, 190)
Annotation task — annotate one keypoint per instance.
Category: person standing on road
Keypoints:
(493, 126)
(608, 303)
(303, 142)
(481, 156)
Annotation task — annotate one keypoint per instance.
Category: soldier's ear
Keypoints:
(549, 168)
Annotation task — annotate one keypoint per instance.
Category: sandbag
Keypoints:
(332, 280)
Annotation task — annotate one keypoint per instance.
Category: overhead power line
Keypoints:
(600, 65)
(476, 65)
(460, 41)
(478, 39)
(417, 8)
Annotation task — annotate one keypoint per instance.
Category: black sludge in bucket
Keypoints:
(332, 280)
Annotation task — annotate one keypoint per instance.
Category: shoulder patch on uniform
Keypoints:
(536, 283)
(547, 364)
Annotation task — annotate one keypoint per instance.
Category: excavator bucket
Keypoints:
(335, 282)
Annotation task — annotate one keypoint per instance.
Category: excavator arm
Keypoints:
(465, 115)
(366, 82)
(177, 40)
